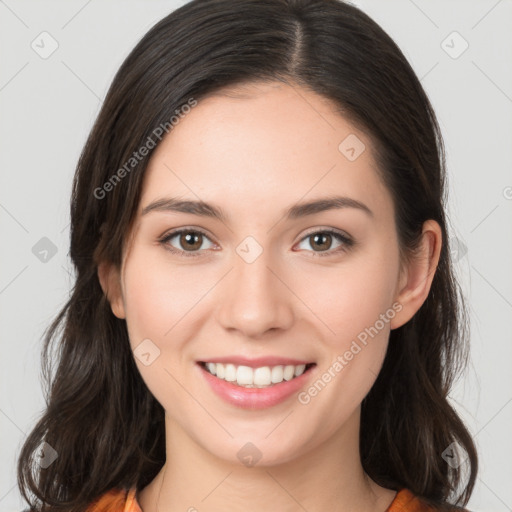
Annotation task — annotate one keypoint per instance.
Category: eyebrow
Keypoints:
(296, 211)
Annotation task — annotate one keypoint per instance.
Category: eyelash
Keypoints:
(347, 242)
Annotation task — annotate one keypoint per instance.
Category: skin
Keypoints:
(254, 152)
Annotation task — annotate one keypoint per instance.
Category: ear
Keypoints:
(415, 280)
(110, 281)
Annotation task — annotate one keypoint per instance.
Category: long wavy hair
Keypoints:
(105, 425)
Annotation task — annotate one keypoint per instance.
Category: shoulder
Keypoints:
(116, 500)
(407, 501)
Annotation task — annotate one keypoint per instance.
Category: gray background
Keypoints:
(48, 106)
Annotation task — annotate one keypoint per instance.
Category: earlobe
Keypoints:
(110, 281)
(414, 289)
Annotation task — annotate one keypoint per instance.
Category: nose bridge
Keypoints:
(253, 299)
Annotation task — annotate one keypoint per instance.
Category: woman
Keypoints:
(265, 315)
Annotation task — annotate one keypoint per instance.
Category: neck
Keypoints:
(327, 477)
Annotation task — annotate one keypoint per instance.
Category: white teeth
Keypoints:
(230, 373)
(277, 374)
(288, 372)
(262, 377)
(244, 375)
(220, 370)
(299, 369)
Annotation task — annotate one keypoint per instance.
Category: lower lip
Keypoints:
(255, 398)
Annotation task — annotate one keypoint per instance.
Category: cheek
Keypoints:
(356, 303)
(351, 298)
(159, 296)
(159, 303)
(354, 306)
(165, 303)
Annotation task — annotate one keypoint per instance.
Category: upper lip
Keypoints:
(256, 362)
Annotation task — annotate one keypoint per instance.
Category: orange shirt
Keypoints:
(122, 500)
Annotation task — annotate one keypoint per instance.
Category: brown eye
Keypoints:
(189, 242)
(321, 242)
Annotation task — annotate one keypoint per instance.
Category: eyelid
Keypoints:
(188, 229)
(325, 229)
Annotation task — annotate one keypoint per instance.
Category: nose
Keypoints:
(255, 298)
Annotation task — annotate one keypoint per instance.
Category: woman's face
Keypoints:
(261, 282)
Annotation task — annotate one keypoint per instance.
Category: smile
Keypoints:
(262, 377)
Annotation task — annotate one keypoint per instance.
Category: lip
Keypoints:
(255, 398)
(256, 362)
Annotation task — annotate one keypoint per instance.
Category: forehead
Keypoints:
(264, 144)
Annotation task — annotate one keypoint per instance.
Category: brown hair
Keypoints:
(103, 422)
